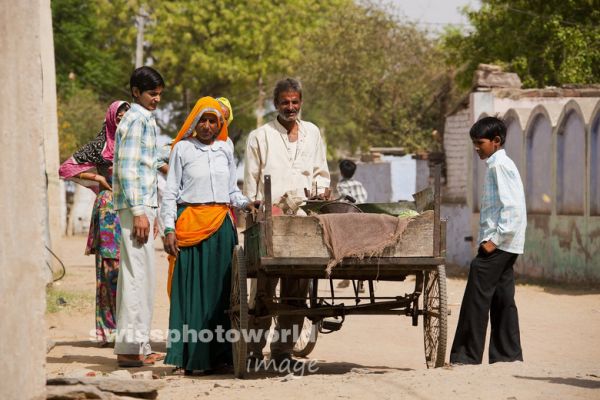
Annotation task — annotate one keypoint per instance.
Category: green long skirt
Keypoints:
(199, 298)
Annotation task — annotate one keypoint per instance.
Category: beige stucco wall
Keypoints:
(56, 191)
(22, 200)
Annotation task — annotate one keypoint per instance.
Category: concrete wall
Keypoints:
(56, 191)
(22, 200)
(456, 142)
(404, 177)
(81, 211)
(376, 178)
(394, 178)
(459, 235)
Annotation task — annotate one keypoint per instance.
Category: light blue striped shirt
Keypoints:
(503, 215)
(135, 164)
(200, 173)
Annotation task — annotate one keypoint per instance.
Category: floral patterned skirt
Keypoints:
(103, 240)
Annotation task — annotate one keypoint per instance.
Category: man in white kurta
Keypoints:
(292, 152)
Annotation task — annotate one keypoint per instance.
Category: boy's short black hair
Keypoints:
(489, 128)
(145, 78)
(347, 168)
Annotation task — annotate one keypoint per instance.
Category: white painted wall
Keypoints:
(81, 211)
(403, 177)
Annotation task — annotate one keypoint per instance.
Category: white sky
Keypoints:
(434, 14)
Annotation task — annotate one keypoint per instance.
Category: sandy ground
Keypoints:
(371, 357)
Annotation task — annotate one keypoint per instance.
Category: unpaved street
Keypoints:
(372, 357)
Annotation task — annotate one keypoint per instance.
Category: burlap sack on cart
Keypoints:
(359, 235)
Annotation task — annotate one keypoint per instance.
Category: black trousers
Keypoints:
(490, 290)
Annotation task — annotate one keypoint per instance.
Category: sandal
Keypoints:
(156, 356)
(133, 361)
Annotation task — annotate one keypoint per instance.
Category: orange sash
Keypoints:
(195, 224)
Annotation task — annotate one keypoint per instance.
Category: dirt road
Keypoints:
(372, 357)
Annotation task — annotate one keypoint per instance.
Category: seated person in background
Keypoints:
(347, 185)
(350, 187)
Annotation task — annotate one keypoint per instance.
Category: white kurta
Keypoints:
(268, 152)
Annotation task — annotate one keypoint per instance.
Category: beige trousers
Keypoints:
(135, 288)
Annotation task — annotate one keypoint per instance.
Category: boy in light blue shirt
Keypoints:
(491, 284)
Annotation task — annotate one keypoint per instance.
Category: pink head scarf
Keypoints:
(111, 127)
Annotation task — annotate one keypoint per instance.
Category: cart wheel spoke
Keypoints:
(239, 309)
(435, 317)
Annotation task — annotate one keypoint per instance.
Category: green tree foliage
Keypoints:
(236, 49)
(546, 42)
(370, 80)
(374, 81)
(93, 46)
(94, 43)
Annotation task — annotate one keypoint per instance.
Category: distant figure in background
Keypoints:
(348, 186)
(91, 166)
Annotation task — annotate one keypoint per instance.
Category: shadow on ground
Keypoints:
(577, 382)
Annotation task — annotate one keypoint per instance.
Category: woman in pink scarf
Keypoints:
(91, 166)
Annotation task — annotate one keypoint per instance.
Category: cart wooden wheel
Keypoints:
(308, 338)
(239, 309)
(308, 335)
(435, 316)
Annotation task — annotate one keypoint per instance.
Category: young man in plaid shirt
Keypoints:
(135, 198)
(347, 185)
(491, 283)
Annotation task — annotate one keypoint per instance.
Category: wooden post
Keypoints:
(268, 216)
(437, 199)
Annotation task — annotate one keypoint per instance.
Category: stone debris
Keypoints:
(289, 377)
(75, 392)
(120, 374)
(492, 76)
(144, 375)
(102, 388)
(81, 373)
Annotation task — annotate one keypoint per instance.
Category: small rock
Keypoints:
(133, 388)
(218, 385)
(143, 375)
(120, 374)
(81, 373)
(75, 392)
(289, 377)
(50, 345)
(55, 381)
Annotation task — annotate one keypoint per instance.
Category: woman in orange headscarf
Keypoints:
(199, 237)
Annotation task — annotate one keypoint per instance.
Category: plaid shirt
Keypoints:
(135, 163)
(503, 216)
(353, 188)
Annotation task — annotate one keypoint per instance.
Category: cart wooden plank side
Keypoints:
(292, 246)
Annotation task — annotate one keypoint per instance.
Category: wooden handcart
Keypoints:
(292, 246)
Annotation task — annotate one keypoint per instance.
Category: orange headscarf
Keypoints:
(204, 105)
